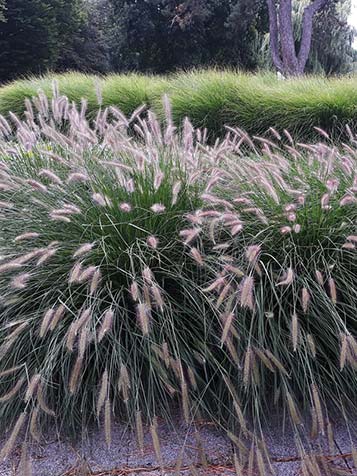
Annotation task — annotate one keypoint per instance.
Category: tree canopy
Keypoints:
(158, 36)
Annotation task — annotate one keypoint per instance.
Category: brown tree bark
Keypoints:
(282, 41)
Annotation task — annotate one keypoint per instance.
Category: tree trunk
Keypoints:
(274, 36)
(282, 41)
(287, 41)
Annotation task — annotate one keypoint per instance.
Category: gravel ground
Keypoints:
(91, 456)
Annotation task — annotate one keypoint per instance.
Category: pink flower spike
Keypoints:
(83, 249)
(125, 207)
(352, 238)
(101, 200)
(242, 200)
(216, 285)
(20, 281)
(332, 185)
(147, 275)
(209, 213)
(190, 234)
(129, 186)
(196, 255)
(87, 274)
(97, 276)
(134, 291)
(37, 185)
(158, 208)
(152, 242)
(305, 298)
(333, 290)
(301, 199)
(246, 292)
(50, 176)
(325, 202)
(73, 208)
(291, 207)
(347, 200)
(252, 253)
(297, 228)
(158, 179)
(284, 230)
(319, 277)
(58, 217)
(144, 314)
(349, 246)
(175, 191)
(27, 236)
(77, 177)
(195, 218)
(322, 132)
(288, 278)
(207, 197)
(236, 229)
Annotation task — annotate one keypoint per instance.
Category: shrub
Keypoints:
(204, 97)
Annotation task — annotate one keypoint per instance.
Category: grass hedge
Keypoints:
(210, 98)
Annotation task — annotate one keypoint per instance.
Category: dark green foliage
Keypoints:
(2, 7)
(246, 23)
(27, 39)
(155, 36)
(80, 39)
(332, 41)
(41, 35)
(161, 36)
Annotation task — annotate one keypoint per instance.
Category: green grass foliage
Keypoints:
(139, 275)
(210, 98)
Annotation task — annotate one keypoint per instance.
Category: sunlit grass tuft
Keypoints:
(212, 99)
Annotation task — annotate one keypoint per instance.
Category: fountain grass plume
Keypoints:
(278, 242)
(97, 308)
(141, 272)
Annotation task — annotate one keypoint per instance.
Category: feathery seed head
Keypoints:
(125, 207)
(158, 208)
(83, 249)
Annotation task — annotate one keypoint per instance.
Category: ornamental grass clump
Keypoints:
(98, 316)
(142, 269)
(277, 236)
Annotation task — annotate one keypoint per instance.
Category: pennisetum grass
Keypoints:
(143, 269)
(293, 302)
(93, 273)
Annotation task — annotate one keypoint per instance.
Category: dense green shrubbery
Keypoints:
(211, 99)
(137, 274)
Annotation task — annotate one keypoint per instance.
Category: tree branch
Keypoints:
(306, 35)
(274, 36)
